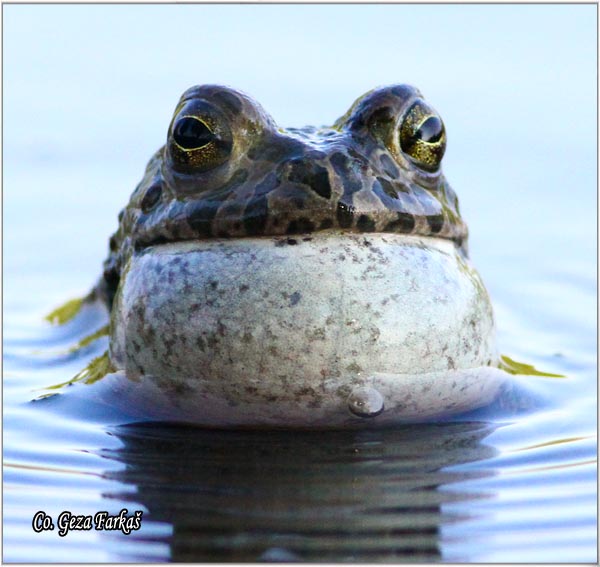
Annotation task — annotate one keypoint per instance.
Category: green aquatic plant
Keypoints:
(89, 339)
(65, 312)
(519, 368)
(96, 369)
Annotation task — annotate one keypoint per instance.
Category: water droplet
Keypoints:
(365, 401)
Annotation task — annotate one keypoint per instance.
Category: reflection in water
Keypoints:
(305, 496)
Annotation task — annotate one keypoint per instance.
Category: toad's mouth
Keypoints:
(203, 226)
(365, 238)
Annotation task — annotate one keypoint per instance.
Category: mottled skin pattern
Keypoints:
(260, 180)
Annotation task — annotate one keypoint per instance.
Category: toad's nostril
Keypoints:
(152, 196)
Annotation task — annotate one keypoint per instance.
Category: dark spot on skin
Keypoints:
(347, 173)
(111, 276)
(357, 121)
(213, 284)
(388, 166)
(345, 215)
(404, 224)
(174, 228)
(365, 224)
(295, 298)
(272, 150)
(297, 202)
(382, 114)
(255, 216)
(158, 240)
(244, 288)
(300, 226)
(436, 223)
(388, 194)
(380, 121)
(200, 215)
(388, 188)
(311, 174)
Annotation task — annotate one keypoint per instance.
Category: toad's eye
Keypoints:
(191, 133)
(199, 138)
(422, 136)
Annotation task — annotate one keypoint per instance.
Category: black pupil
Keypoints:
(431, 130)
(190, 133)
